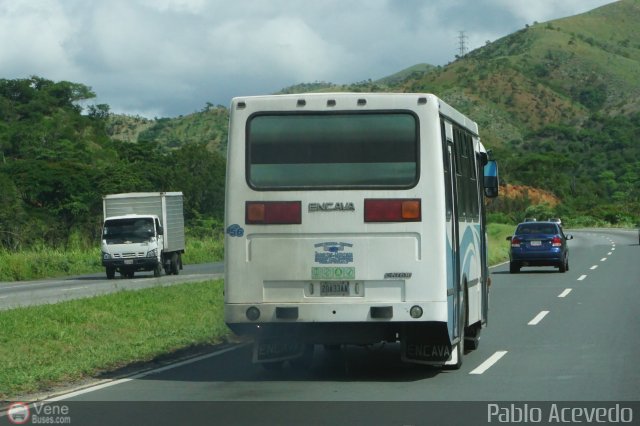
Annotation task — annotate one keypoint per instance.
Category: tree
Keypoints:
(200, 174)
(12, 214)
(100, 111)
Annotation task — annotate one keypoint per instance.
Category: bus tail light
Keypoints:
(273, 213)
(392, 210)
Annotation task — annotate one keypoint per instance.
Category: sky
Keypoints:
(166, 58)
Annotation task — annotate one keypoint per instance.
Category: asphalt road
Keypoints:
(553, 338)
(27, 293)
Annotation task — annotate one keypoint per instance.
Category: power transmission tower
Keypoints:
(462, 45)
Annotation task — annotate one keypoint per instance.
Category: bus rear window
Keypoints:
(288, 151)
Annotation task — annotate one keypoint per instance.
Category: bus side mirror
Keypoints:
(491, 179)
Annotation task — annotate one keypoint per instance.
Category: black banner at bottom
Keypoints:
(321, 413)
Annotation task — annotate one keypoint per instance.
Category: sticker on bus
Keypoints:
(332, 273)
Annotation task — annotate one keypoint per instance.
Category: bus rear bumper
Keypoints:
(331, 323)
(338, 312)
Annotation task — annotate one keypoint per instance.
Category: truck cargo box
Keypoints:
(168, 206)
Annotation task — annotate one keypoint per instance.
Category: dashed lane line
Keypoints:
(582, 277)
(489, 362)
(538, 318)
(565, 292)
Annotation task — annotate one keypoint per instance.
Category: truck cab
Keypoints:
(132, 243)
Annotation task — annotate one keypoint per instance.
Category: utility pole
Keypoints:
(462, 46)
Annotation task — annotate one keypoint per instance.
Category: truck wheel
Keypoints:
(175, 268)
(111, 273)
(157, 271)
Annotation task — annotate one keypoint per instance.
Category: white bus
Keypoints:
(356, 218)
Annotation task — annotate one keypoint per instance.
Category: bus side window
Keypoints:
(447, 171)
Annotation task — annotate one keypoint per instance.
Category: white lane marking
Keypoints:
(76, 288)
(538, 318)
(144, 374)
(603, 259)
(565, 292)
(31, 284)
(582, 277)
(489, 362)
(594, 267)
(610, 253)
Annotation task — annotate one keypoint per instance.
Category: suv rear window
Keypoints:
(322, 150)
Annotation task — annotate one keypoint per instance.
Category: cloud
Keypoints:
(34, 37)
(546, 10)
(171, 57)
(285, 46)
(189, 6)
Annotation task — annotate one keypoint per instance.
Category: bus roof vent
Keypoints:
(301, 102)
(422, 100)
(362, 102)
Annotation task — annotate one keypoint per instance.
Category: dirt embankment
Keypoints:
(535, 195)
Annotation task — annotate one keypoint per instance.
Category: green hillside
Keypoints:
(208, 127)
(560, 103)
(413, 72)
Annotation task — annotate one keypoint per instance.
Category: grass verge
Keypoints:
(44, 262)
(47, 262)
(497, 234)
(46, 345)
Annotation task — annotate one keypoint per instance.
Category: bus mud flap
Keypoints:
(426, 343)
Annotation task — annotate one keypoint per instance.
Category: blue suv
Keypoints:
(539, 244)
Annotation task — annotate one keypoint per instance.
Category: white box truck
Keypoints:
(143, 231)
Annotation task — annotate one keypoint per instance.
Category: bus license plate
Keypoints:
(276, 350)
(334, 288)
